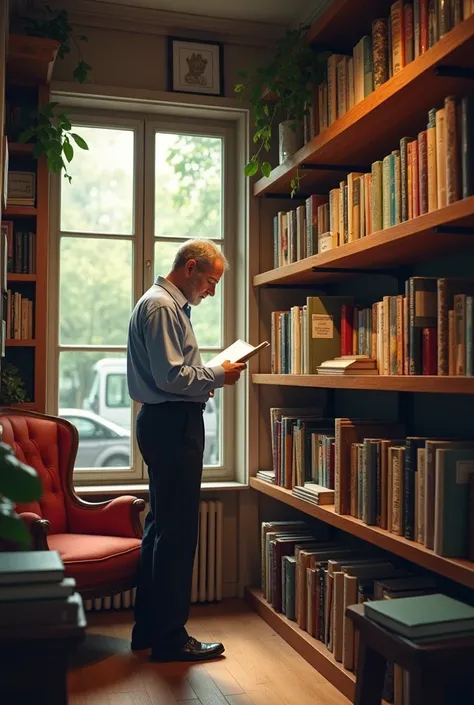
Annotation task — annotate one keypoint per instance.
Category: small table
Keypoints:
(34, 662)
(432, 666)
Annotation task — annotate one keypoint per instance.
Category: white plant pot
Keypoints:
(289, 139)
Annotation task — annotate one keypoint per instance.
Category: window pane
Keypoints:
(101, 195)
(95, 291)
(213, 425)
(104, 428)
(207, 317)
(188, 186)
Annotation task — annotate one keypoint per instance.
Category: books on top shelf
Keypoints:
(349, 365)
(34, 591)
(395, 41)
(426, 172)
(422, 617)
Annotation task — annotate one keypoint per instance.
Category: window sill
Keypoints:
(141, 489)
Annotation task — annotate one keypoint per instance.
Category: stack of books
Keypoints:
(35, 593)
(349, 365)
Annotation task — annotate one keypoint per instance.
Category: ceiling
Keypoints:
(272, 11)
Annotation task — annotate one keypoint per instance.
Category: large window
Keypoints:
(141, 189)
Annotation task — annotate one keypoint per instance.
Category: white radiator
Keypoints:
(207, 572)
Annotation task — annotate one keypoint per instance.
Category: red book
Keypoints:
(347, 316)
(430, 351)
(423, 26)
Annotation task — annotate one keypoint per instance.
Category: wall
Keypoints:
(132, 60)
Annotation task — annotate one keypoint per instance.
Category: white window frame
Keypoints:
(145, 125)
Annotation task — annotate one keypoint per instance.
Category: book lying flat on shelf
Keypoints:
(19, 568)
(240, 351)
(421, 617)
(349, 365)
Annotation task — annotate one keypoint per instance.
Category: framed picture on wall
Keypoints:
(195, 66)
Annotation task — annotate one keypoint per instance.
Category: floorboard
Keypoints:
(259, 668)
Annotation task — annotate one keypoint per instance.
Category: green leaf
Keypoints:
(239, 88)
(81, 72)
(26, 135)
(68, 150)
(251, 168)
(12, 527)
(18, 482)
(79, 141)
(266, 169)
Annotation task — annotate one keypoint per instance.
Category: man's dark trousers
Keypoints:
(171, 440)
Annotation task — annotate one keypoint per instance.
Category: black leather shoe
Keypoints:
(193, 650)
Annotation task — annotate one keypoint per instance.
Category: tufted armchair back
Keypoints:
(49, 445)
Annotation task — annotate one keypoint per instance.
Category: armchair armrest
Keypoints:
(38, 528)
(117, 517)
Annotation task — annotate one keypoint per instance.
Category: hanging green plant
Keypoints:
(52, 133)
(55, 25)
(284, 90)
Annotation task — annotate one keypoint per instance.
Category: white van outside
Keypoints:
(108, 398)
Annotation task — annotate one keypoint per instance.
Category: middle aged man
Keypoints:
(166, 375)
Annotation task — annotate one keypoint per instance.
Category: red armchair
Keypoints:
(99, 543)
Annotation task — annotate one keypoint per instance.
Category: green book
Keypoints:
(425, 616)
(451, 529)
(323, 340)
(290, 566)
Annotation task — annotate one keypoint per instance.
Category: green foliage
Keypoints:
(12, 388)
(282, 89)
(18, 483)
(52, 134)
(96, 273)
(55, 25)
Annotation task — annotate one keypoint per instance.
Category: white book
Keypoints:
(240, 351)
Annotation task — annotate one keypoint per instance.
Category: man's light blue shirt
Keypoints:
(163, 358)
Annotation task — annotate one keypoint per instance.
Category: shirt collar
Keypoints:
(173, 291)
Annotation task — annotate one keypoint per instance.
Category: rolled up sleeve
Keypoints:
(163, 340)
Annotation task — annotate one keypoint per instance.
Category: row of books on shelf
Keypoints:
(34, 591)
(429, 172)
(411, 29)
(19, 316)
(21, 249)
(418, 487)
(426, 331)
(312, 579)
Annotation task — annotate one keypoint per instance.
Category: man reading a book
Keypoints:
(166, 375)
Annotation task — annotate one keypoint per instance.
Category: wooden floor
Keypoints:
(259, 668)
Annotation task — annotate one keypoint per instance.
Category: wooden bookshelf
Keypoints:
(382, 383)
(461, 571)
(373, 127)
(20, 212)
(345, 22)
(20, 343)
(367, 133)
(392, 247)
(312, 650)
(19, 149)
(29, 65)
(21, 278)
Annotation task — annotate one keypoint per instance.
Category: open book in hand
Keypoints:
(240, 351)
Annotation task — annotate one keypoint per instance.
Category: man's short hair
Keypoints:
(205, 252)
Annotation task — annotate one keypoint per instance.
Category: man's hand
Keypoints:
(233, 371)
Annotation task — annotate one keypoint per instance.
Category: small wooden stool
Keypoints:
(431, 666)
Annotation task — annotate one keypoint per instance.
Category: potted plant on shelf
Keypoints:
(283, 89)
(12, 388)
(49, 128)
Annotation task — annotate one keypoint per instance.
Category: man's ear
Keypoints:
(189, 267)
